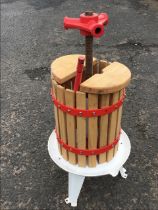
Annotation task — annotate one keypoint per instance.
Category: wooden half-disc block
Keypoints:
(113, 78)
(64, 68)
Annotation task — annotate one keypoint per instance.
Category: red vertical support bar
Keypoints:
(79, 72)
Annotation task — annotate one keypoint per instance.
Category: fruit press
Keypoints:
(88, 96)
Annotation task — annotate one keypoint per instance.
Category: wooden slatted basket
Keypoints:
(103, 89)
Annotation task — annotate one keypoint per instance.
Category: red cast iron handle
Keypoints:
(88, 25)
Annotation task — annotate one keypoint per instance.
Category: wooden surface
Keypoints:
(114, 77)
(71, 126)
(100, 131)
(119, 115)
(54, 87)
(81, 127)
(92, 129)
(96, 67)
(103, 126)
(64, 68)
(112, 125)
(102, 65)
(99, 65)
(104, 88)
(62, 119)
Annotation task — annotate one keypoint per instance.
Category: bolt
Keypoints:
(80, 113)
(94, 113)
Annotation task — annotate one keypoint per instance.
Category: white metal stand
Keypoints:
(77, 174)
(75, 185)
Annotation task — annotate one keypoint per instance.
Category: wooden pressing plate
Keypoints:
(112, 78)
(64, 68)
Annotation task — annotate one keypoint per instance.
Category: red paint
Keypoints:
(79, 72)
(90, 112)
(88, 25)
(87, 152)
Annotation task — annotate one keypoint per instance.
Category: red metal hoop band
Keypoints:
(87, 152)
(90, 112)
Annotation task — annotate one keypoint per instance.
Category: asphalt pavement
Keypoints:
(32, 35)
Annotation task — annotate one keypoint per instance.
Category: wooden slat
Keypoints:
(92, 129)
(81, 127)
(102, 65)
(103, 126)
(54, 87)
(62, 119)
(70, 121)
(119, 115)
(112, 125)
(96, 68)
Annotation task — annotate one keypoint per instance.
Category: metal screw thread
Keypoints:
(88, 52)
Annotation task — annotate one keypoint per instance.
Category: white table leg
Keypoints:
(75, 183)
